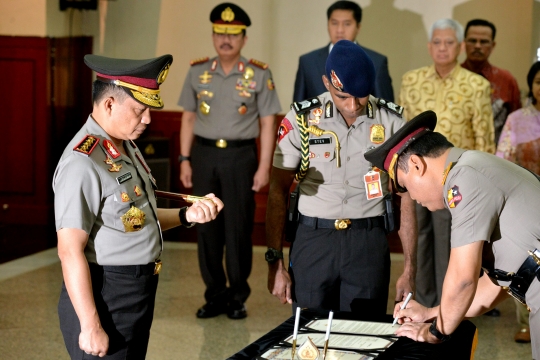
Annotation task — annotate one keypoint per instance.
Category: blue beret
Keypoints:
(350, 70)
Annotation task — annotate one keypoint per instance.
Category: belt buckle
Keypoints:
(342, 224)
(221, 143)
(157, 267)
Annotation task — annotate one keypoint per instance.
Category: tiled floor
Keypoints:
(29, 289)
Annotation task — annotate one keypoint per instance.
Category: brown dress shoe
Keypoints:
(523, 335)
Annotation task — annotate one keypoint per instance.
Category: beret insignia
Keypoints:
(335, 81)
(259, 64)
(199, 61)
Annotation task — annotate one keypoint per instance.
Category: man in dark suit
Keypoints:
(344, 19)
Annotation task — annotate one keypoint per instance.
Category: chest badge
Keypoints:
(205, 108)
(111, 149)
(114, 166)
(205, 78)
(137, 190)
(133, 219)
(125, 197)
(376, 134)
(242, 109)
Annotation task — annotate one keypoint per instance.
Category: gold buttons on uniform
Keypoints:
(221, 143)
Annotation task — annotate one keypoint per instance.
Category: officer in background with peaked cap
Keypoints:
(107, 221)
(340, 258)
(494, 209)
(228, 102)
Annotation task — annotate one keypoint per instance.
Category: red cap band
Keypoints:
(147, 83)
(396, 148)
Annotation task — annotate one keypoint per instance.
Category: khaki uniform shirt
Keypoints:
(328, 191)
(90, 197)
(246, 85)
(461, 101)
(493, 200)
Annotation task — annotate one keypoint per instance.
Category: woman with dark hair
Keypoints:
(520, 143)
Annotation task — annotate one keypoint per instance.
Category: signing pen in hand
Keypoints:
(403, 306)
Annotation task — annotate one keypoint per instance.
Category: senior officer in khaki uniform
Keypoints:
(493, 203)
(107, 221)
(340, 257)
(228, 101)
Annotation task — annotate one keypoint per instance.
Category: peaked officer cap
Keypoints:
(385, 157)
(139, 78)
(350, 70)
(228, 18)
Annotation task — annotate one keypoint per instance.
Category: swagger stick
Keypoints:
(179, 197)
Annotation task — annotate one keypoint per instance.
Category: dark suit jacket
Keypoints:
(311, 66)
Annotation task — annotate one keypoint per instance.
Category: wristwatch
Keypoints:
(182, 158)
(273, 255)
(183, 219)
(439, 335)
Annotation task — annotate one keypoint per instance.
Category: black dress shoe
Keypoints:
(493, 312)
(237, 310)
(210, 310)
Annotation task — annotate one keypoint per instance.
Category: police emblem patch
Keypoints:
(454, 197)
(284, 129)
(111, 149)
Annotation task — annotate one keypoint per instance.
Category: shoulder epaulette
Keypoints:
(303, 107)
(259, 64)
(388, 105)
(87, 145)
(199, 61)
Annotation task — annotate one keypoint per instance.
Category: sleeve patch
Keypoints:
(284, 128)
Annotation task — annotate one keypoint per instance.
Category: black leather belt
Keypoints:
(342, 224)
(222, 143)
(520, 281)
(135, 270)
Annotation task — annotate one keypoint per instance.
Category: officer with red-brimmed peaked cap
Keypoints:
(229, 102)
(340, 258)
(493, 205)
(107, 220)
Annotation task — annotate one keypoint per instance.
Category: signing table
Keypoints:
(350, 340)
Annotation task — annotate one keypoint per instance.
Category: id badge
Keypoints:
(373, 185)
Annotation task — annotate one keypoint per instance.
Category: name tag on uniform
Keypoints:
(123, 178)
(373, 185)
(320, 141)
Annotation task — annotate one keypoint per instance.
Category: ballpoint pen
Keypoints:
(403, 306)
(295, 333)
(327, 337)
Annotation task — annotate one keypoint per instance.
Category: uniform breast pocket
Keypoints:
(246, 97)
(122, 212)
(322, 163)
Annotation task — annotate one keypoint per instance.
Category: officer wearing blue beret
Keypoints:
(340, 257)
(107, 220)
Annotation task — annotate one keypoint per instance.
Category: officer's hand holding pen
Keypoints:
(204, 209)
(414, 312)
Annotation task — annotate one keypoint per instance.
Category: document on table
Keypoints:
(353, 327)
(353, 342)
(285, 354)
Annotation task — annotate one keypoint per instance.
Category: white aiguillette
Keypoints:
(308, 350)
